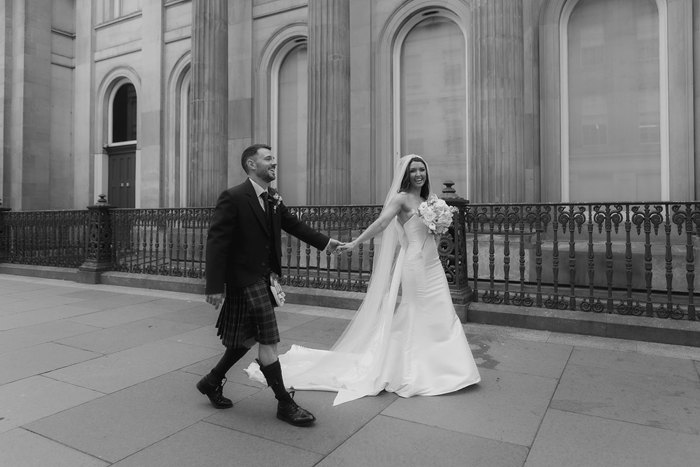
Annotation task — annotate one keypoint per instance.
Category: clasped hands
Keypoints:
(335, 246)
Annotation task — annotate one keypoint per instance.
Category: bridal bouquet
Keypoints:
(436, 214)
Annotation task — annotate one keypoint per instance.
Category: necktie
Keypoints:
(263, 195)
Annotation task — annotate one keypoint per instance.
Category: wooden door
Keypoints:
(121, 176)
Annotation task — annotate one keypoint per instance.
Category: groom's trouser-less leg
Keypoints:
(228, 359)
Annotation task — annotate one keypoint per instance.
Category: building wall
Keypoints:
(61, 62)
(61, 107)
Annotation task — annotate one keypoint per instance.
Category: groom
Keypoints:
(243, 250)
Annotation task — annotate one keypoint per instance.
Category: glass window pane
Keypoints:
(433, 100)
(614, 101)
(124, 114)
(291, 126)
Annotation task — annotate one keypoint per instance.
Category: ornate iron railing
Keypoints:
(625, 258)
(44, 238)
(306, 267)
(166, 241)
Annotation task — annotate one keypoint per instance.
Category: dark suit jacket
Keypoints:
(240, 239)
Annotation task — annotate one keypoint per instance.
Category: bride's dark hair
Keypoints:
(406, 180)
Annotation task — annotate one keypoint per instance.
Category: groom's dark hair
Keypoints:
(250, 152)
(406, 180)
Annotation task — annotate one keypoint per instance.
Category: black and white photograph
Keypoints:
(349, 233)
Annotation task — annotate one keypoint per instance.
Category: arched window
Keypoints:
(290, 120)
(124, 114)
(612, 102)
(432, 96)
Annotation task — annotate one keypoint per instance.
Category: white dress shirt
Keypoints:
(259, 191)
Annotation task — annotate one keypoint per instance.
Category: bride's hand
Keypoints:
(345, 247)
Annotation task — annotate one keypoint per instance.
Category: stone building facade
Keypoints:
(152, 101)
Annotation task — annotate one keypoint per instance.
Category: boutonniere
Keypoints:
(276, 200)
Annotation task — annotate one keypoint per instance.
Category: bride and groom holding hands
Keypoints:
(415, 348)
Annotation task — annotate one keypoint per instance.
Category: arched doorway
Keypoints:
(121, 151)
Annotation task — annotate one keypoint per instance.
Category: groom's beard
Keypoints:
(267, 175)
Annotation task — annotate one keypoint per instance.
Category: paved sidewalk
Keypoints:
(104, 375)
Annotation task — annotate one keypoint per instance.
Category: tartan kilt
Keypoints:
(247, 313)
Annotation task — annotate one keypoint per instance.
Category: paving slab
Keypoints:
(668, 402)
(635, 362)
(128, 312)
(668, 350)
(207, 445)
(202, 314)
(322, 330)
(7, 301)
(606, 343)
(92, 294)
(120, 424)
(33, 302)
(46, 315)
(117, 316)
(119, 370)
(202, 335)
(256, 416)
(508, 354)
(128, 335)
(28, 336)
(388, 442)
(22, 448)
(17, 284)
(24, 288)
(504, 406)
(41, 358)
(33, 398)
(111, 300)
(575, 440)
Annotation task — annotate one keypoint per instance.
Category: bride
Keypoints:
(415, 348)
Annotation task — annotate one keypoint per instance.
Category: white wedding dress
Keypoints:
(415, 348)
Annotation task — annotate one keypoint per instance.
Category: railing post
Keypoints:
(454, 245)
(98, 257)
(4, 244)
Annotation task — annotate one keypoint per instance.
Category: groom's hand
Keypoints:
(332, 245)
(215, 299)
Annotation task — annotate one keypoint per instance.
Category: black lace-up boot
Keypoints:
(213, 388)
(212, 385)
(287, 409)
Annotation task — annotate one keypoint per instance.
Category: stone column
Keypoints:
(208, 155)
(329, 102)
(151, 109)
(498, 171)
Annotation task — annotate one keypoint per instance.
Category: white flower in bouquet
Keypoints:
(436, 214)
